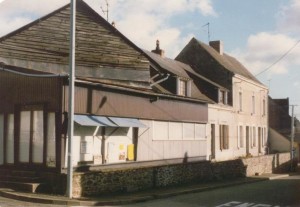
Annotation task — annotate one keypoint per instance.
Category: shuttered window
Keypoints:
(224, 137)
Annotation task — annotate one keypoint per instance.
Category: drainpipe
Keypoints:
(161, 80)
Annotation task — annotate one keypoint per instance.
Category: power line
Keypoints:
(285, 54)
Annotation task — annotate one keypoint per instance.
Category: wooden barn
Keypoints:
(119, 118)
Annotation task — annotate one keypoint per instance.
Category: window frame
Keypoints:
(224, 137)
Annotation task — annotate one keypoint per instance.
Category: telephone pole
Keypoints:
(292, 135)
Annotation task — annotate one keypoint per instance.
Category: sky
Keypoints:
(263, 35)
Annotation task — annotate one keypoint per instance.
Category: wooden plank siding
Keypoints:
(101, 50)
(106, 102)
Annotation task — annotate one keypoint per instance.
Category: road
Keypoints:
(281, 192)
(275, 193)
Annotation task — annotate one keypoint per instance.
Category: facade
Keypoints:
(280, 127)
(119, 117)
(238, 122)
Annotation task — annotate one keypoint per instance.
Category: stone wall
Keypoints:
(274, 163)
(109, 181)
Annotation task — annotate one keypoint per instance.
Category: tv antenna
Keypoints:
(208, 32)
(105, 11)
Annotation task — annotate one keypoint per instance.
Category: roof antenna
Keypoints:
(208, 32)
(105, 11)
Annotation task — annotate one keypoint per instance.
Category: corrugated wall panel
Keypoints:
(126, 105)
(21, 90)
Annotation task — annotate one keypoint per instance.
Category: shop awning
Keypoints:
(127, 122)
(88, 120)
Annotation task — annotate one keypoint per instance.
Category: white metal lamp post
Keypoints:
(71, 98)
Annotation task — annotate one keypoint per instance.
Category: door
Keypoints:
(31, 140)
(213, 142)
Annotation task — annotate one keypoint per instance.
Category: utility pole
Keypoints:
(292, 136)
(71, 98)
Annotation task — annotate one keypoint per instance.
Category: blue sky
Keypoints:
(256, 32)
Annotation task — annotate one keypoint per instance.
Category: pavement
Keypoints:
(127, 198)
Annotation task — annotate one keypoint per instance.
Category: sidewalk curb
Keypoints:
(122, 199)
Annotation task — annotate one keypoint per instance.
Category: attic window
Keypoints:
(183, 87)
(223, 97)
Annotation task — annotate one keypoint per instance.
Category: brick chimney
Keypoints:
(158, 50)
(218, 46)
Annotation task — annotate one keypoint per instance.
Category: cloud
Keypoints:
(142, 21)
(289, 18)
(17, 13)
(146, 21)
(264, 49)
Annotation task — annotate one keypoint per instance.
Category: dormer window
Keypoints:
(223, 97)
(183, 87)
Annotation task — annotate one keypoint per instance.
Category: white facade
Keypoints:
(87, 144)
(246, 120)
(169, 140)
(159, 140)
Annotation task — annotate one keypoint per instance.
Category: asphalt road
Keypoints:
(280, 193)
(5, 202)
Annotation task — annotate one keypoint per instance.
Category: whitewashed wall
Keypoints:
(219, 114)
(87, 143)
(168, 140)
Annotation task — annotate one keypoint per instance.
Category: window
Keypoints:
(224, 137)
(182, 87)
(253, 104)
(223, 97)
(240, 101)
(240, 137)
(163, 130)
(10, 155)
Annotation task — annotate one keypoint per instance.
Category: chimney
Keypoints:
(158, 50)
(217, 45)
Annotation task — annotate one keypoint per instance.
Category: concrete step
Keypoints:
(23, 179)
(20, 186)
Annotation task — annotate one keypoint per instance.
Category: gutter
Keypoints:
(31, 75)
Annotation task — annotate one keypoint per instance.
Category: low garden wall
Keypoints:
(107, 181)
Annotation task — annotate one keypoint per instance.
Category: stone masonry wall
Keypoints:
(140, 178)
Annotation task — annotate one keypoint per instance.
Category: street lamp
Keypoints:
(71, 98)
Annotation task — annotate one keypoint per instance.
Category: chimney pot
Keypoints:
(158, 50)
